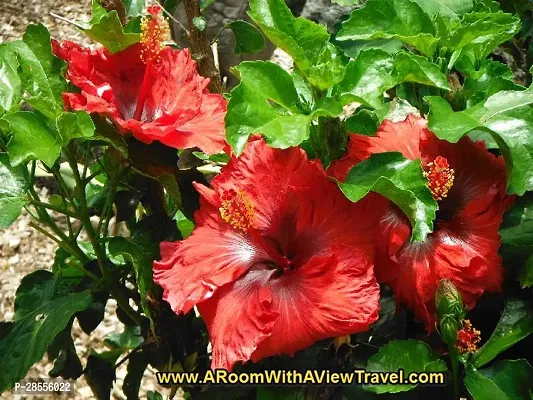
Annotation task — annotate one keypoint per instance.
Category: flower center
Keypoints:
(154, 32)
(440, 177)
(467, 338)
(237, 210)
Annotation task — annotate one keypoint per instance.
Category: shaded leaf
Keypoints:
(40, 314)
(141, 254)
(248, 39)
(134, 8)
(137, 364)
(127, 340)
(505, 380)
(100, 373)
(515, 324)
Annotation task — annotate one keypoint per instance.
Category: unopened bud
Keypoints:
(449, 326)
(448, 300)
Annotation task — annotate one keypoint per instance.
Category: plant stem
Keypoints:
(201, 47)
(65, 246)
(115, 290)
(45, 218)
(54, 208)
(454, 357)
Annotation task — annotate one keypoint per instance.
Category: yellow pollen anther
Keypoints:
(154, 32)
(237, 210)
(440, 177)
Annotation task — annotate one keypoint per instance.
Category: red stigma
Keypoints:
(440, 177)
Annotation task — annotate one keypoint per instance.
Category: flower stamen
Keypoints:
(154, 32)
(237, 210)
(467, 338)
(440, 177)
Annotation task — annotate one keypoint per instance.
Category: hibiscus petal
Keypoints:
(239, 317)
(263, 174)
(191, 270)
(329, 296)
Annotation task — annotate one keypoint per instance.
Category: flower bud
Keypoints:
(449, 326)
(448, 300)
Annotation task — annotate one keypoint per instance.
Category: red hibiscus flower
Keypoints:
(279, 258)
(469, 184)
(148, 89)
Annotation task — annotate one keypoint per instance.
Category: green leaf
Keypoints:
(409, 67)
(39, 316)
(409, 355)
(127, 340)
(248, 39)
(13, 186)
(36, 81)
(508, 117)
(186, 226)
(75, 125)
(305, 41)
(368, 77)
(374, 71)
(110, 33)
(401, 181)
(134, 8)
(515, 324)
(449, 8)
(37, 38)
(505, 380)
(199, 23)
(11, 87)
(481, 33)
(516, 233)
(391, 19)
(32, 139)
(364, 122)
(265, 102)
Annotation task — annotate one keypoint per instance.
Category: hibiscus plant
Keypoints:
(367, 208)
